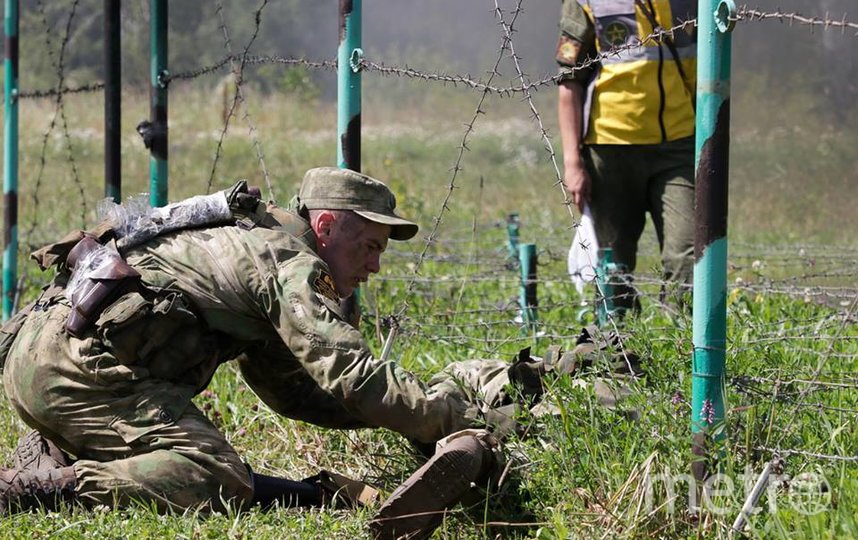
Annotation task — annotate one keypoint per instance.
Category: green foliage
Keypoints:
(295, 81)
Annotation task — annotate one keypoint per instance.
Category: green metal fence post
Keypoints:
(10, 159)
(710, 243)
(349, 57)
(158, 177)
(512, 236)
(527, 290)
(606, 268)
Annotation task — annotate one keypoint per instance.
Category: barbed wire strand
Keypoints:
(59, 111)
(238, 98)
(457, 167)
(744, 15)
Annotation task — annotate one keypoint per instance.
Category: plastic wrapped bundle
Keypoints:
(99, 276)
(136, 222)
(95, 264)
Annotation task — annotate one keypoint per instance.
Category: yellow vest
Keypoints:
(639, 96)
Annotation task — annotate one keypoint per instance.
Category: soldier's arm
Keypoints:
(284, 385)
(569, 115)
(575, 44)
(304, 310)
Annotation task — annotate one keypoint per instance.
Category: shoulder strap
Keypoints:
(55, 254)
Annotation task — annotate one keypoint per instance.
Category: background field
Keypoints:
(793, 344)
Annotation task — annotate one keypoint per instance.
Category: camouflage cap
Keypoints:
(330, 188)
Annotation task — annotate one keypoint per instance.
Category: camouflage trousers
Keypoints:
(139, 438)
(135, 437)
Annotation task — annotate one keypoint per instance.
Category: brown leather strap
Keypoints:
(99, 289)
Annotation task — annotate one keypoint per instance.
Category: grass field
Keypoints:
(585, 472)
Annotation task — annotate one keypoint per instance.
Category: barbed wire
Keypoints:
(253, 60)
(59, 112)
(743, 15)
(238, 98)
(746, 14)
(457, 166)
(793, 452)
(65, 90)
(792, 385)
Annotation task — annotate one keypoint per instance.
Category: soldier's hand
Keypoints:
(577, 182)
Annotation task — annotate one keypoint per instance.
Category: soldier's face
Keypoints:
(352, 248)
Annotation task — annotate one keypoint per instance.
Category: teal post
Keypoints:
(527, 290)
(606, 269)
(512, 236)
(708, 422)
(10, 159)
(349, 57)
(158, 103)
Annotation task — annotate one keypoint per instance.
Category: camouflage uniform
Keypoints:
(119, 397)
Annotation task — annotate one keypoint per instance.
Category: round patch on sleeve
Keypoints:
(567, 50)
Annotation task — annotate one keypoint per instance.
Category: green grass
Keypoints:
(584, 472)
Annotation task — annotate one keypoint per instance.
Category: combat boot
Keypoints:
(416, 507)
(37, 453)
(25, 490)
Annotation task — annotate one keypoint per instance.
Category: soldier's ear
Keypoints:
(322, 224)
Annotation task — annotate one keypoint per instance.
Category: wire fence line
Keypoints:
(814, 274)
(743, 15)
(746, 14)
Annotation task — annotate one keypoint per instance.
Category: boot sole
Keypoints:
(417, 507)
(35, 453)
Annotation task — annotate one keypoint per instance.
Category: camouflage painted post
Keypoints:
(710, 242)
(10, 159)
(112, 101)
(158, 176)
(349, 56)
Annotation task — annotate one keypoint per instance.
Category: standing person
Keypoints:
(627, 125)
